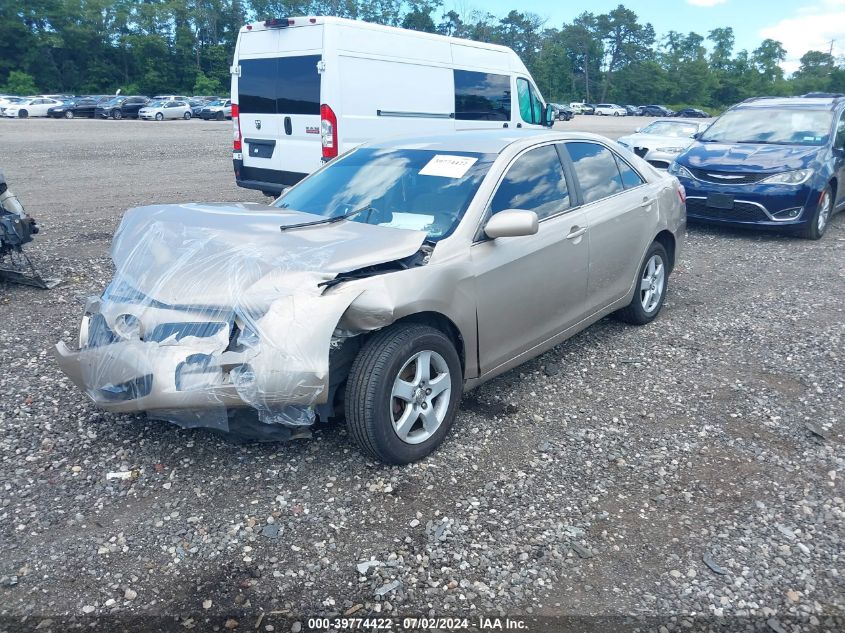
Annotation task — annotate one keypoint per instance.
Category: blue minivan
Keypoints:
(769, 162)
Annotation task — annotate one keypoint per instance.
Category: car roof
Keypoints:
(480, 141)
(814, 103)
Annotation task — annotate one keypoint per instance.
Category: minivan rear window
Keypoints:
(280, 85)
(482, 96)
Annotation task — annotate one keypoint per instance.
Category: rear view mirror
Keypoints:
(511, 223)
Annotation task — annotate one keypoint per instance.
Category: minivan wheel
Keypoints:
(821, 218)
(651, 285)
(402, 393)
(159, 116)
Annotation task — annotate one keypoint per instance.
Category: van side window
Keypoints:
(534, 182)
(530, 106)
(482, 96)
(595, 169)
(280, 85)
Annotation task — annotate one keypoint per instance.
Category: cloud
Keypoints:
(705, 3)
(811, 30)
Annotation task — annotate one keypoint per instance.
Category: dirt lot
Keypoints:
(690, 470)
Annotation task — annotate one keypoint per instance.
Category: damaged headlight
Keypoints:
(127, 326)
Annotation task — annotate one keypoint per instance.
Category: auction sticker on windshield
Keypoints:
(447, 166)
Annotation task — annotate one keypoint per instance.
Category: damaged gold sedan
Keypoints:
(379, 288)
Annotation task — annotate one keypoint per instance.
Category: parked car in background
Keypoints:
(30, 107)
(769, 162)
(660, 142)
(633, 110)
(219, 110)
(427, 266)
(122, 107)
(160, 110)
(610, 109)
(307, 89)
(8, 100)
(197, 104)
(207, 98)
(577, 107)
(170, 98)
(80, 107)
(588, 108)
(656, 110)
(563, 112)
(692, 113)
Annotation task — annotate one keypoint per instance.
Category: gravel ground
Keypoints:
(690, 470)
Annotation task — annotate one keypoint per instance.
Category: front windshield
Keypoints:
(116, 101)
(415, 189)
(217, 103)
(154, 104)
(779, 126)
(677, 129)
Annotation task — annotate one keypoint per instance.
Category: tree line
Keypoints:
(185, 46)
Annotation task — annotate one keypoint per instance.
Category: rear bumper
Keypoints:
(270, 180)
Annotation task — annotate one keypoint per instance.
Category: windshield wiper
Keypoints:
(331, 220)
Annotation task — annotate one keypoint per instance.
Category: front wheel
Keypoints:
(23, 114)
(116, 114)
(159, 116)
(651, 285)
(68, 114)
(821, 218)
(402, 393)
(186, 116)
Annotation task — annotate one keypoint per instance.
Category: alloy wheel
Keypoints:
(824, 211)
(652, 283)
(420, 397)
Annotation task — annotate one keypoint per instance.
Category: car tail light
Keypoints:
(236, 128)
(328, 131)
(682, 193)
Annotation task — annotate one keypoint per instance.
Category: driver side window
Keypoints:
(534, 182)
(530, 106)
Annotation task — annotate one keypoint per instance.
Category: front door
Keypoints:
(530, 288)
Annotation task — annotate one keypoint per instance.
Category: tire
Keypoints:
(817, 227)
(159, 116)
(644, 307)
(69, 114)
(219, 116)
(372, 406)
(615, 114)
(187, 116)
(116, 115)
(23, 114)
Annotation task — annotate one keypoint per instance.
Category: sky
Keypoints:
(800, 25)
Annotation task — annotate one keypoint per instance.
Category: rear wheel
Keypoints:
(402, 393)
(651, 285)
(116, 114)
(821, 218)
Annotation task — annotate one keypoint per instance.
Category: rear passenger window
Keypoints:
(534, 182)
(630, 178)
(596, 170)
(280, 85)
(482, 96)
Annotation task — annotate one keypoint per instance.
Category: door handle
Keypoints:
(576, 231)
(646, 201)
(288, 126)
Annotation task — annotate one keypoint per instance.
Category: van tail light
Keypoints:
(328, 131)
(237, 145)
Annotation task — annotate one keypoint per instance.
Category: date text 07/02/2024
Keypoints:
(417, 624)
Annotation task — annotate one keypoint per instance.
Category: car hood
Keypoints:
(228, 254)
(748, 157)
(655, 140)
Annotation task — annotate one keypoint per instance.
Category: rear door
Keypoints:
(278, 97)
(622, 213)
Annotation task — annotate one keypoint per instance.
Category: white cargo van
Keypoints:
(305, 89)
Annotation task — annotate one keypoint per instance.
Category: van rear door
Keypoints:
(278, 95)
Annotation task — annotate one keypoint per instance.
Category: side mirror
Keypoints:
(511, 223)
(696, 135)
(549, 115)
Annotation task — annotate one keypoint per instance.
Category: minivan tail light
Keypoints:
(237, 145)
(328, 131)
